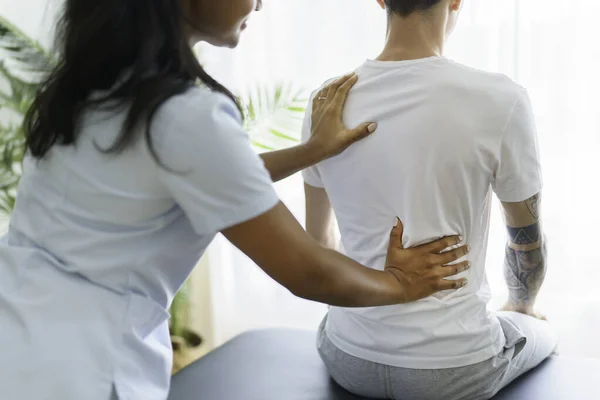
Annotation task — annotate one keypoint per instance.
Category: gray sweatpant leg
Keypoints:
(528, 342)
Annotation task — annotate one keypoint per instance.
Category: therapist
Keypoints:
(132, 169)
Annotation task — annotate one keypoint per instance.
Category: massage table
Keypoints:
(279, 364)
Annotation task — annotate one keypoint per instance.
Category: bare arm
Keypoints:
(525, 261)
(278, 244)
(286, 162)
(319, 217)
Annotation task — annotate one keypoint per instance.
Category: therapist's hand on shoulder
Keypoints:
(329, 136)
(278, 244)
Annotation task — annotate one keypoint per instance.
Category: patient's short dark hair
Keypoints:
(407, 7)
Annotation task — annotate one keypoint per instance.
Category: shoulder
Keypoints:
(197, 103)
(495, 85)
(196, 113)
(197, 123)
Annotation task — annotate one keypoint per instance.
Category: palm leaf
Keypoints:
(23, 62)
(274, 115)
(179, 311)
(22, 55)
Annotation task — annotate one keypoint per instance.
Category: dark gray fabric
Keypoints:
(284, 365)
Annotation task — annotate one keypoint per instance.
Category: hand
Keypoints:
(527, 310)
(329, 136)
(421, 270)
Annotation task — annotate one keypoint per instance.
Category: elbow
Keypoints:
(312, 281)
(309, 287)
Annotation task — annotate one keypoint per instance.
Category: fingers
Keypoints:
(450, 256)
(356, 134)
(450, 285)
(330, 91)
(318, 99)
(334, 86)
(327, 93)
(441, 244)
(446, 271)
(341, 94)
(396, 235)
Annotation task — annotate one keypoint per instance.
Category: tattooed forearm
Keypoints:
(525, 265)
(525, 262)
(528, 235)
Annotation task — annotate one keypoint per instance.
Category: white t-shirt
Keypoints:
(447, 136)
(99, 244)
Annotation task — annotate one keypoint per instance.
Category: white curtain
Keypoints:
(548, 46)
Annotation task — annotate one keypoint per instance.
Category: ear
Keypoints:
(381, 4)
(455, 5)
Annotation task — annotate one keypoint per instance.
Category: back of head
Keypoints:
(405, 8)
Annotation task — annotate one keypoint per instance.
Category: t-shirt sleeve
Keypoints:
(210, 169)
(311, 174)
(518, 174)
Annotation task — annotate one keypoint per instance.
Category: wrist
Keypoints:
(315, 151)
(396, 286)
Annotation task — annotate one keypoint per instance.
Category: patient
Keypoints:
(448, 136)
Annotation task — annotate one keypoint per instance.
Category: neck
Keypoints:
(414, 37)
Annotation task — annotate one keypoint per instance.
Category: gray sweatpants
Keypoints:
(529, 341)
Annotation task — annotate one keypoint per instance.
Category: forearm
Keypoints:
(286, 162)
(524, 271)
(276, 242)
(337, 280)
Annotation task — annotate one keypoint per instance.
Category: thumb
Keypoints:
(396, 235)
(361, 132)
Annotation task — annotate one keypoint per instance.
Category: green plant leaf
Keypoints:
(22, 63)
(274, 115)
(22, 52)
(179, 311)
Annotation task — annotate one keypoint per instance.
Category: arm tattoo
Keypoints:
(527, 235)
(533, 205)
(525, 264)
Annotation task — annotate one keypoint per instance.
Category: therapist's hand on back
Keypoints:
(278, 244)
(329, 136)
(422, 270)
